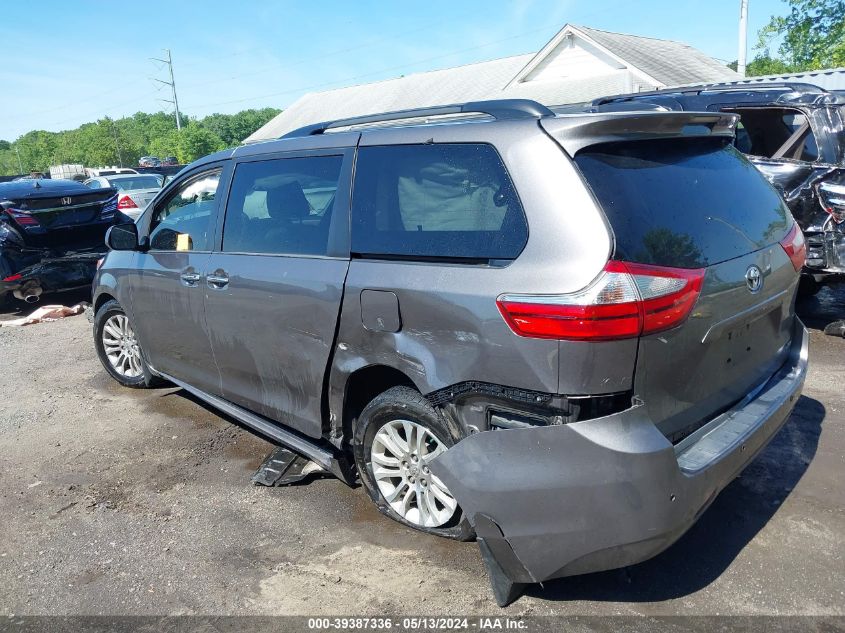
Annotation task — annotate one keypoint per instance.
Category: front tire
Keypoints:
(118, 349)
(396, 437)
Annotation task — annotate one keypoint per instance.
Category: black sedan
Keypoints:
(51, 235)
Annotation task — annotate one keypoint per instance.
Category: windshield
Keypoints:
(138, 182)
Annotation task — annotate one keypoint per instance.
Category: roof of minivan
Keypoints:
(580, 129)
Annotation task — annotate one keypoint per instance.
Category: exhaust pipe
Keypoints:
(31, 293)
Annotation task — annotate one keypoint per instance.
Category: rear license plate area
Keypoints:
(751, 341)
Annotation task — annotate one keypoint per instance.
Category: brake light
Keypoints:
(832, 198)
(13, 277)
(626, 301)
(23, 218)
(795, 247)
(126, 202)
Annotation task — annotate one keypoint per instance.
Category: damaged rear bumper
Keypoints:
(52, 273)
(556, 501)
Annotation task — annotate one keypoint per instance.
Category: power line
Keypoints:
(305, 60)
(285, 65)
(111, 108)
(376, 72)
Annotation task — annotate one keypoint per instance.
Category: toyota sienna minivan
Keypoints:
(562, 335)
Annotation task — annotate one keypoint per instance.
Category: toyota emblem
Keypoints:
(754, 279)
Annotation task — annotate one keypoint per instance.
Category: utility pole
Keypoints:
(172, 84)
(743, 36)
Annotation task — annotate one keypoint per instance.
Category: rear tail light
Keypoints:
(795, 247)
(126, 202)
(17, 277)
(832, 199)
(109, 208)
(23, 218)
(626, 301)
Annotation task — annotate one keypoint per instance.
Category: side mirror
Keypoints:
(122, 237)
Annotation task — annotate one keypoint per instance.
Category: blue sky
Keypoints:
(66, 63)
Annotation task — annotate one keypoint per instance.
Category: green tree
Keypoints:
(812, 36)
(234, 128)
(114, 141)
(194, 142)
(165, 145)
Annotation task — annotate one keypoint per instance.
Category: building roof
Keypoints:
(635, 63)
(418, 90)
(670, 63)
(828, 78)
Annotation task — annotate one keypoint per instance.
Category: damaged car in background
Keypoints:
(795, 134)
(500, 325)
(51, 235)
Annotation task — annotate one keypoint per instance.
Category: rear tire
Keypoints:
(119, 351)
(403, 431)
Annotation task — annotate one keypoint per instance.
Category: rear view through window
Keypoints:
(452, 201)
(686, 203)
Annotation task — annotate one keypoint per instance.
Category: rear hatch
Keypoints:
(60, 215)
(697, 203)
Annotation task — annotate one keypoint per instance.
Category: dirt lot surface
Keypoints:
(114, 501)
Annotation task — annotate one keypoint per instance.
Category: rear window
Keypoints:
(686, 203)
(139, 182)
(443, 201)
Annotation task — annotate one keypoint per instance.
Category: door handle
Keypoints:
(218, 279)
(190, 279)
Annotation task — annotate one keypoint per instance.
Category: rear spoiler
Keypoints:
(575, 132)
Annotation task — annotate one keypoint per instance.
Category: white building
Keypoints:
(578, 64)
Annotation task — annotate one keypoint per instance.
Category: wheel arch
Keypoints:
(102, 299)
(361, 386)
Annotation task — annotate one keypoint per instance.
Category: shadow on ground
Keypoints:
(824, 308)
(736, 516)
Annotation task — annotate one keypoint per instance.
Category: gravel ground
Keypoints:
(115, 501)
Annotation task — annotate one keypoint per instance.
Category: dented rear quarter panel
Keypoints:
(450, 327)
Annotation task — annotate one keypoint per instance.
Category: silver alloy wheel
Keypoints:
(121, 347)
(401, 453)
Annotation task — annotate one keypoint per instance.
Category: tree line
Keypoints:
(123, 141)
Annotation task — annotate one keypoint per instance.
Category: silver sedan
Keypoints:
(134, 190)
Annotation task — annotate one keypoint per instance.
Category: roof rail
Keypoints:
(723, 87)
(499, 109)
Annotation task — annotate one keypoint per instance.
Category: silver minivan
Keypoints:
(561, 335)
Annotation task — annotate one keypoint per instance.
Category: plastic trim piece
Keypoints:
(318, 454)
(499, 109)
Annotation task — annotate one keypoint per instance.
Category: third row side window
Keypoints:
(447, 201)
